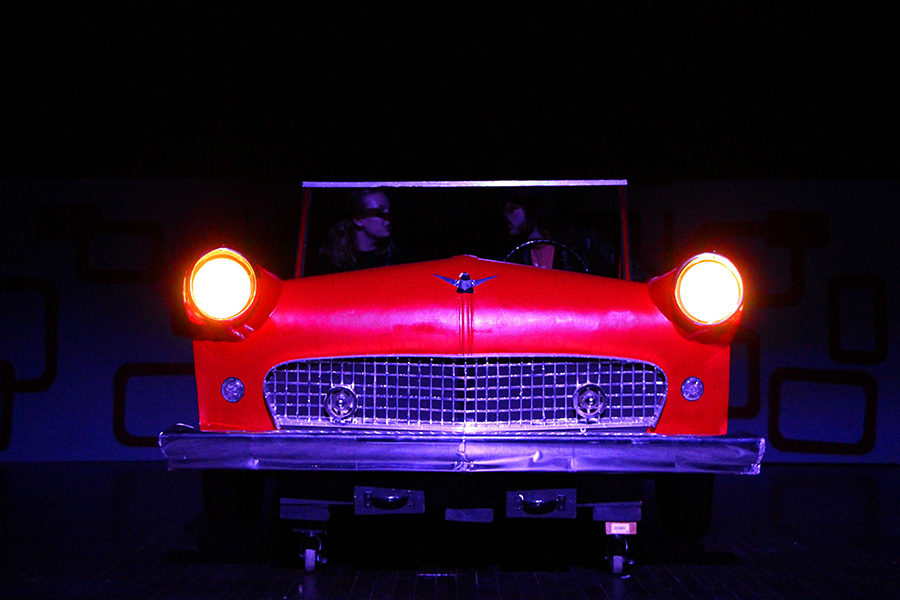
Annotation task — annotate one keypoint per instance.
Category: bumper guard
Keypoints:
(186, 447)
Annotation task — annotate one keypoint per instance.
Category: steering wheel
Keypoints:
(559, 245)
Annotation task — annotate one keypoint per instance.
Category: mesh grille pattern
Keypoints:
(473, 393)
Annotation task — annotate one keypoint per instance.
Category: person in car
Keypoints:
(530, 220)
(362, 240)
(577, 247)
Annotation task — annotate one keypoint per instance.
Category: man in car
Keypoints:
(568, 248)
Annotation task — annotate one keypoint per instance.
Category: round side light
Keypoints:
(708, 289)
(222, 284)
(232, 389)
(692, 388)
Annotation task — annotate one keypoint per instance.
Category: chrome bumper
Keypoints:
(188, 448)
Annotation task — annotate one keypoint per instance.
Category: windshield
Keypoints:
(411, 222)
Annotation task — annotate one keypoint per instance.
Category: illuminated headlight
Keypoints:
(222, 284)
(709, 289)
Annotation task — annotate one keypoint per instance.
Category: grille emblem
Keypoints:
(465, 284)
(340, 403)
(590, 402)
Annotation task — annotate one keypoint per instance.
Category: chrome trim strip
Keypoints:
(188, 448)
(469, 184)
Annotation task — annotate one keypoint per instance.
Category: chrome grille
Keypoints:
(471, 393)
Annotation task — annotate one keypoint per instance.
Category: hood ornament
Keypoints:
(465, 284)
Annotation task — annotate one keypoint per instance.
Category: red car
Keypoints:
(369, 385)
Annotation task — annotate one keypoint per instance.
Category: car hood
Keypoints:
(463, 305)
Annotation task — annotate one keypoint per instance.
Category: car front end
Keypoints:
(413, 367)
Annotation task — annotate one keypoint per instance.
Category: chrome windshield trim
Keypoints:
(470, 184)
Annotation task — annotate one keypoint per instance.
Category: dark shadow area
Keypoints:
(116, 530)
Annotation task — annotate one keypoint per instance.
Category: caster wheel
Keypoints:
(310, 556)
(617, 554)
(311, 550)
(617, 564)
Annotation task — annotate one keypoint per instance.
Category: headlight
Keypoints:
(709, 289)
(222, 284)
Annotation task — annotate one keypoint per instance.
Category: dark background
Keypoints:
(132, 137)
(327, 91)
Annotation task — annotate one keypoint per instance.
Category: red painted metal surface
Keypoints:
(406, 309)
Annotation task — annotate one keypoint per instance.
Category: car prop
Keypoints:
(392, 376)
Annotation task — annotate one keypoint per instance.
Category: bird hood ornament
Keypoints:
(464, 284)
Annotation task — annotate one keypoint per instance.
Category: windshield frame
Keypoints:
(621, 184)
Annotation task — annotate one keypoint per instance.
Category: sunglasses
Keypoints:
(374, 212)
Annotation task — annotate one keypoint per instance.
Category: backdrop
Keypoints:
(93, 363)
